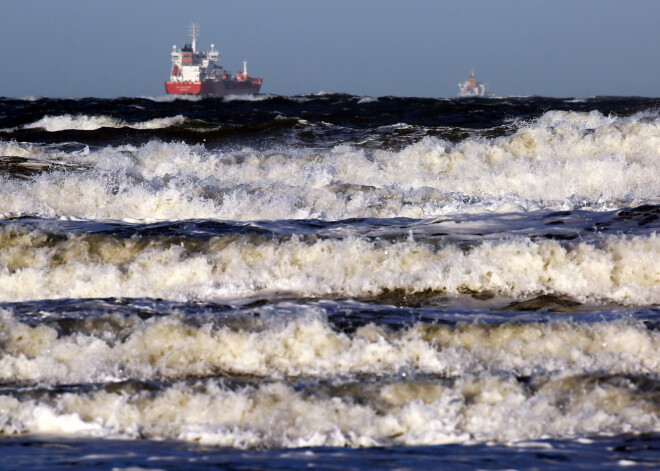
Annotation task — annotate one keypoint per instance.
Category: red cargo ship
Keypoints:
(195, 73)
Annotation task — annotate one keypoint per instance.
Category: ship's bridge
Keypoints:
(190, 65)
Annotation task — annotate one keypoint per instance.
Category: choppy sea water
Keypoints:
(330, 281)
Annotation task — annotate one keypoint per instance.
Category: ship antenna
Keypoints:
(194, 31)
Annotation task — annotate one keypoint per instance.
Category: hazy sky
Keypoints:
(424, 48)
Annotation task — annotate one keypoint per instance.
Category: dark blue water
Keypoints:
(631, 452)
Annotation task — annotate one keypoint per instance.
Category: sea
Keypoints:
(329, 281)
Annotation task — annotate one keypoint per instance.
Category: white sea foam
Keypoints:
(16, 149)
(618, 269)
(262, 97)
(294, 379)
(295, 340)
(90, 123)
(473, 409)
(171, 98)
(562, 161)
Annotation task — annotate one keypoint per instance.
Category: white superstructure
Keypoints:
(473, 88)
(190, 65)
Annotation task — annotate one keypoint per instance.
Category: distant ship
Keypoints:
(473, 88)
(195, 73)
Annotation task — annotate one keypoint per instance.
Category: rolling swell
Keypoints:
(410, 263)
(226, 120)
(386, 275)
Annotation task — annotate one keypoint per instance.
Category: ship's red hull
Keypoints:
(215, 87)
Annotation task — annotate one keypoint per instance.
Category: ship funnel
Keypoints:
(244, 67)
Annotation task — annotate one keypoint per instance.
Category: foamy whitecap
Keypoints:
(260, 97)
(617, 269)
(16, 149)
(473, 409)
(564, 160)
(90, 123)
(470, 290)
(296, 340)
(171, 98)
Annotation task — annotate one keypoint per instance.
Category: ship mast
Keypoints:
(194, 31)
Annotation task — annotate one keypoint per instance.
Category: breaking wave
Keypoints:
(90, 123)
(564, 161)
(330, 270)
(440, 384)
(33, 264)
(296, 340)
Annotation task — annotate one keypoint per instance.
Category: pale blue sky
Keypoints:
(366, 47)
